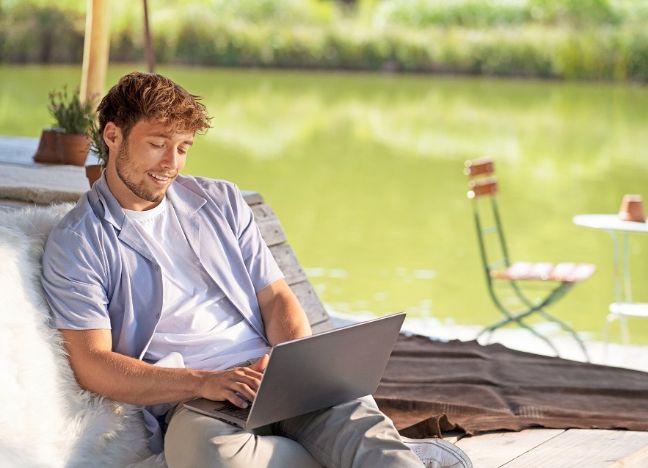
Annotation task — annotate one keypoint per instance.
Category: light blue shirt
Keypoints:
(98, 273)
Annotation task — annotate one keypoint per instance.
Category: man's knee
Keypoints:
(364, 408)
(193, 440)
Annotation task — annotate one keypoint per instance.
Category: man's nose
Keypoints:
(170, 159)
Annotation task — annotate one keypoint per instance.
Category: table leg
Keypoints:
(626, 268)
(616, 268)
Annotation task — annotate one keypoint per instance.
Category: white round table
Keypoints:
(609, 222)
(620, 232)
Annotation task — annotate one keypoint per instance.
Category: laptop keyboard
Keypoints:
(234, 411)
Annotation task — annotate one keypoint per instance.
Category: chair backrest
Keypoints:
(482, 191)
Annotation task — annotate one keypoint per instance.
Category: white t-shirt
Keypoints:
(197, 321)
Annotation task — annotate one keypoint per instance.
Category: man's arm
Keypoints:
(283, 316)
(122, 378)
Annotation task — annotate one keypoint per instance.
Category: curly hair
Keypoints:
(147, 96)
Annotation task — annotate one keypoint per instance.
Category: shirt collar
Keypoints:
(185, 201)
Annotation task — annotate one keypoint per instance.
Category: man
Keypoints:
(164, 290)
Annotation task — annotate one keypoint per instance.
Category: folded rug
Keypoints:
(431, 387)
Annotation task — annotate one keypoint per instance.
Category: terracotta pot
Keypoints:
(632, 209)
(49, 150)
(74, 148)
(93, 172)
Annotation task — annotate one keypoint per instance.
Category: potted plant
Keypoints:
(93, 171)
(74, 120)
(48, 147)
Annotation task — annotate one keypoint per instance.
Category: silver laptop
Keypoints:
(315, 372)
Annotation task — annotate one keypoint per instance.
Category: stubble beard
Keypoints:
(125, 174)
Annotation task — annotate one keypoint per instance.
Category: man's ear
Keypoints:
(113, 136)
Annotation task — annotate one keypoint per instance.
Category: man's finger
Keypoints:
(261, 363)
(250, 381)
(244, 391)
(236, 400)
(248, 376)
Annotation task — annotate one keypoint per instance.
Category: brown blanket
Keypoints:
(432, 387)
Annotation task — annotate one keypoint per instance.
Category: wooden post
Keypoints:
(148, 43)
(96, 46)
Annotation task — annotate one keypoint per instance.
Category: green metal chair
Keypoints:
(500, 272)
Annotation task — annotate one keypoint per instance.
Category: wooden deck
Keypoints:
(553, 448)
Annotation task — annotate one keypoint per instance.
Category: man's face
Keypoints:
(147, 162)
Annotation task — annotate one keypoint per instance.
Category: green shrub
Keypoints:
(573, 12)
(194, 45)
(277, 11)
(484, 13)
(637, 56)
(522, 51)
(589, 55)
(42, 34)
(513, 53)
(573, 39)
(469, 13)
(414, 52)
(298, 46)
(126, 46)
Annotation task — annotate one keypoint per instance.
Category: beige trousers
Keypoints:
(353, 434)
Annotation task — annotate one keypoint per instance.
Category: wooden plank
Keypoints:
(326, 325)
(453, 436)
(287, 261)
(310, 302)
(272, 232)
(639, 458)
(587, 447)
(496, 449)
(252, 198)
(270, 227)
(263, 213)
(479, 167)
(480, 188)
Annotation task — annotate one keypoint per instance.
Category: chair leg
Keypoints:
(541, 336)
(569, 330)
(606, 329)
(625, 332)
(553, 296)
(518, 320)
(508, 317)
(489, 334)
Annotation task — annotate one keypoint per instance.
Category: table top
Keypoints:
(609, 222)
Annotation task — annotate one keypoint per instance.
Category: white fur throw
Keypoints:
(46, 419)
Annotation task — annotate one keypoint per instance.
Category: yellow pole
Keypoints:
(96, 47)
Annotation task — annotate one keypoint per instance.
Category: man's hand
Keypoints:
(235, 385)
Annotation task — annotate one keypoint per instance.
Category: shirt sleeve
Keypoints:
(260, 263)
(73, 282)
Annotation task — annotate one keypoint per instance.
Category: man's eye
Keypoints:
(182, 150)
(154, 145)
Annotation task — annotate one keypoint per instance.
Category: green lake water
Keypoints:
(365, 173)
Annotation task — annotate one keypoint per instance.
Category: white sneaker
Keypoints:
(438, 453)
